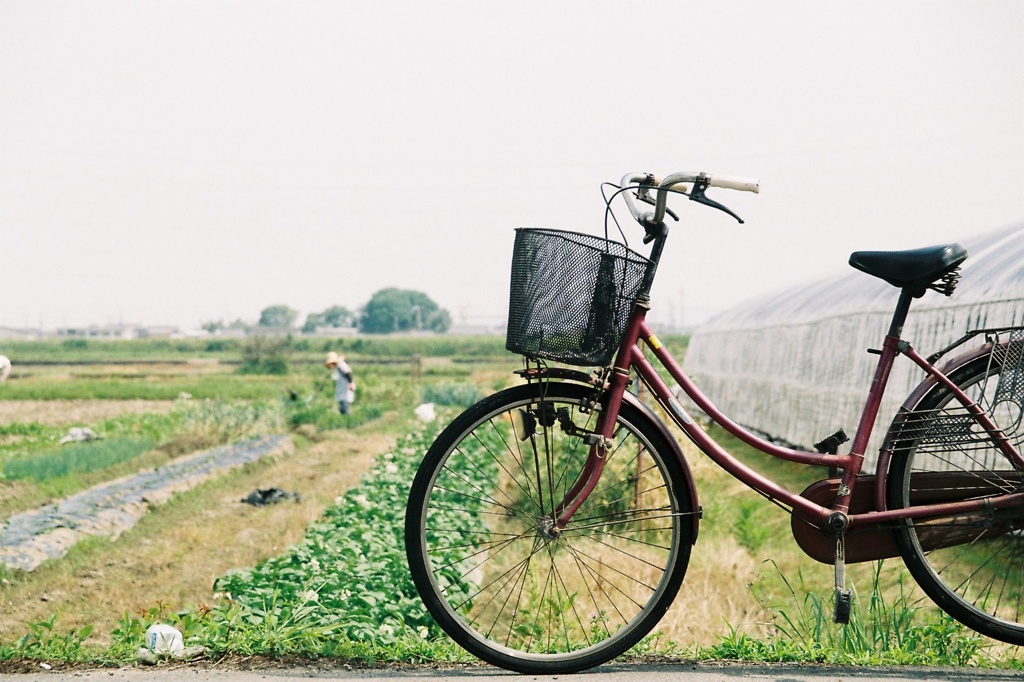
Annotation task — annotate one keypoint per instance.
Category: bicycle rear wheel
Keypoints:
(970, 564)
(493, 572)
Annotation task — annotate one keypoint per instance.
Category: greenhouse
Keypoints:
(793, 365)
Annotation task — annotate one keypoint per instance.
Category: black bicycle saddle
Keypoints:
(916, 268)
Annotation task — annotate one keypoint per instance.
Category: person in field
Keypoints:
(344, 384)
(5, 368)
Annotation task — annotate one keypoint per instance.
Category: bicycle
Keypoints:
(549, 526)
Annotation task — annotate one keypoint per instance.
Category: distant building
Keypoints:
(110, 331)
(332, 332)
(157, 332)
(119, 331)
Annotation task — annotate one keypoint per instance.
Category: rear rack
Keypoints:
(970, 335)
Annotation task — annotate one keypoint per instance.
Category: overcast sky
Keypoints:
(181, 162)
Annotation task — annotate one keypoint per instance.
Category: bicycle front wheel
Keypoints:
(970, 564)
(492, 570)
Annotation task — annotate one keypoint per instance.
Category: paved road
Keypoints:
(610, 673)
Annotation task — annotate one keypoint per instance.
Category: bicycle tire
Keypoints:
(971, 565)
(505, 588)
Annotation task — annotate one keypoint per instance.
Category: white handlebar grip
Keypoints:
(732, 182)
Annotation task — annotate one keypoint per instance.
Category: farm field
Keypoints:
(141, 397)
(324, 575)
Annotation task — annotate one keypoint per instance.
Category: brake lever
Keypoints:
(697, 194)
(643, 195)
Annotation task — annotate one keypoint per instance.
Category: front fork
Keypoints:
(600, 444)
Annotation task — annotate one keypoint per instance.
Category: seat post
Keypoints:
(899, 316)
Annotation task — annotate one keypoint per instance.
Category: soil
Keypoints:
(61, 412)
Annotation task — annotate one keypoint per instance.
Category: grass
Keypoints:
(889, 626)
(298, 349)
(76, 458)
(47, 386)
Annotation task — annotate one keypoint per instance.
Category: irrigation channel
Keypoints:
(30, 538)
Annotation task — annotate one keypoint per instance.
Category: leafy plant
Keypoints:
(43, 641)
(451, 394)
(348, 576)
(265, 355)
(223, 422)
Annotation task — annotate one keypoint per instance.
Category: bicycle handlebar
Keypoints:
(647, 181)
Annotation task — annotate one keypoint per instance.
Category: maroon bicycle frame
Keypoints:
(631, 356)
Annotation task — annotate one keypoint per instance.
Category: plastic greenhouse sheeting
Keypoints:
(793, 364)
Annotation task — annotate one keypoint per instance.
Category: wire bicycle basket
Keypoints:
(571, 295)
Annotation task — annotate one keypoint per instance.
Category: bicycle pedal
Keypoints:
(844, 605)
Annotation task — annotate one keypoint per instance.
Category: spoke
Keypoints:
(962, 550)
(499, 544)
(500, 514)
(1002, 549)
(572, 604)
(1010, 486)
(517, 460)
(611, 569)
(519, 600)
(499, 577)
(636, 495)
(497, 461)
(618, 589)
(635, 541)
(486, 499)
(612, 482)
(599, 580)
(635, 557)
(592, 509)
(543, 596)
(524, 569)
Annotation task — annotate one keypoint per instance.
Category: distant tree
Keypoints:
(278, 317)
(393, 310)
(439, 321)
(313, 322)
(213, 325)
(336, 316)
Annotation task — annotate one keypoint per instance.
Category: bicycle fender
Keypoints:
(557, 373)
(677, 451)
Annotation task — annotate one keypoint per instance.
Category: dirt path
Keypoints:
(171, 558)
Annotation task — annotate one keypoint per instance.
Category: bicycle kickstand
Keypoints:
(844, 597)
